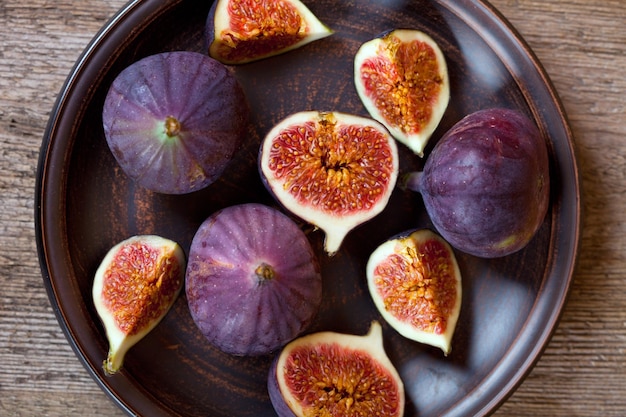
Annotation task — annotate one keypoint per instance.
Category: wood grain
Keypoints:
(581, 43)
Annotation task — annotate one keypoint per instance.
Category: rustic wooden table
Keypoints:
(582, 44)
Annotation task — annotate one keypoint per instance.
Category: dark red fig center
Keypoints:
(342, 168)
(138, 285)
(333, 380)
(418, 285)
(406, 85)
(257, 30)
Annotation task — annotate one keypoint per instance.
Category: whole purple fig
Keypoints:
(486, 184)
(174, 120)
(253, 282)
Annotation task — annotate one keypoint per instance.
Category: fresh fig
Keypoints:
(174, 120)
(336, 374)
(334, 170)
(134, 287)
(486, 184)
(241, 31)
(253, 282)
(415, 283)
(402, 80)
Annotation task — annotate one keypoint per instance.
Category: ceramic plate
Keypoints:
(85, 204)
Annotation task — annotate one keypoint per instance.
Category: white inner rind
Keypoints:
(377, 47)
(334, 226)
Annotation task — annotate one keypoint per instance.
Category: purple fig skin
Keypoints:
(209, 27)
(278, 402)
(196, 91)
(486, 183)
(236, 308)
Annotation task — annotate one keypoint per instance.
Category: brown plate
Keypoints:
(85, 205)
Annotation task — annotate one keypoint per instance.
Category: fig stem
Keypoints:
(113, 362)
(172, 126)
(411, 181)
(264, 272)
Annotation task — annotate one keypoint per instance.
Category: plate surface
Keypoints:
(85, 205)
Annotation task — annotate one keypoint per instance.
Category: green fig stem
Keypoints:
(113, 362)
(411, 181)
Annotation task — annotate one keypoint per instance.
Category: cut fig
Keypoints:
(486, 184)
(402, 80)
(334, 170)
(336, 374)
(242, 31)
(134, 287)
(415, 283)
(253, 282)
(174, 121)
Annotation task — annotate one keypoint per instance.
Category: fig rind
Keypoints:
(486, 184)
(174, 120)
(402, 80)
(415, 283)
(253, 282)
(336, 374)
(134, 287)
(259, 31)
(333, 170)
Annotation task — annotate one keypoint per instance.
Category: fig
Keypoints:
(333, 170)
(174, 120)
(336, 374)
(243, 31)
(134, 287)
(253, 282)
(402, 80)
(415, 282)
(486, 184)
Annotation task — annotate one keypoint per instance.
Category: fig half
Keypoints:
(174, 120)
(253, 282)
(486, 184)
(134, 287)
(415, 283)
(241, 31)
(334, 170)
(402, 80)
(336, 374)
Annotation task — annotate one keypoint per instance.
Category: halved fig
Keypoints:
(336, 374)
(334, 170)
(415, 283)
(174, 120)
(253, 282)
(241, 31)
(134, 287)
(402, 80)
